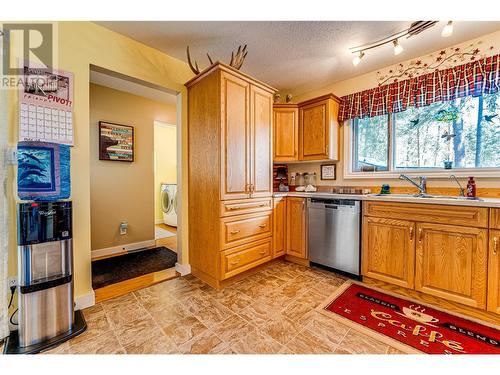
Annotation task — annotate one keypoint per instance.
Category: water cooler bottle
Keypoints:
(46, 314)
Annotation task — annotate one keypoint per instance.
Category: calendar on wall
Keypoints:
(46, 106)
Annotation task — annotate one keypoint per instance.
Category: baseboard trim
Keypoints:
(183, 269)
(122, 248)
(87, 300)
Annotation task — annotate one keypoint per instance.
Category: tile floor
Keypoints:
(271, 311)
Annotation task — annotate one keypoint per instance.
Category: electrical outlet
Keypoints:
(123, 227)
(10, 157)
(12, 281)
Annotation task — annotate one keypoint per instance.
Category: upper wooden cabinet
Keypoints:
(286, 132)
(235, 136)
(494, 272)
(246, 115)
(389, 250)
(261, 132)
(319, 129)
(451, 263)
(296, 227)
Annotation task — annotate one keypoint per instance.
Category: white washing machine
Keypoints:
(169, 203)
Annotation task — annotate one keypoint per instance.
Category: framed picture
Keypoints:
(328, 171)
(116, 142)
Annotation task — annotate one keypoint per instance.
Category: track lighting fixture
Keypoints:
(415, 29)
(358, 58)
(447, 30)
(398, 48)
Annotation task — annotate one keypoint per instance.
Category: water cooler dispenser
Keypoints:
(46, 314)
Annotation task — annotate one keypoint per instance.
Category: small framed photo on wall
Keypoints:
(328, 171)
(116, 142)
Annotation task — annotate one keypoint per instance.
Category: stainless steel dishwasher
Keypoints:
(334, 233)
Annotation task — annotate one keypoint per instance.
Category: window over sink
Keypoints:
(462, 135)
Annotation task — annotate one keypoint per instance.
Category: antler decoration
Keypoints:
(194, 67)
(236, 60)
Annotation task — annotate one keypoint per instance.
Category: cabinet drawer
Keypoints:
(241, 229)
(429, 213)
(245, 257)
(244, 206)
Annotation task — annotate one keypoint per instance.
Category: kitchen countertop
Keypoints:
(485, 202)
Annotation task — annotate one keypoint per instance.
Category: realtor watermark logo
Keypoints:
(26, 46)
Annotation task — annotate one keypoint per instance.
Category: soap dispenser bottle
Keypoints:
(471, 188)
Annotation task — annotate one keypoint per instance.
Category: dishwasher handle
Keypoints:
(331, 207)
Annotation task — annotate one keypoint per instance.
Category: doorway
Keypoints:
(165, 185)
(130, 248)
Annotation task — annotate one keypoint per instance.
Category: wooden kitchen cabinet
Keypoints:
(230, 173)
(437, 253)
(286, 132)
(296, 227)
(246, 135)
(261, 132)
(494, 272)
(319, 129)
(389, 250)
(495, 218)
(451, 263)
(279, 227)
(235, 137)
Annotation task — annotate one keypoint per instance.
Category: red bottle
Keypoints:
(471, 187)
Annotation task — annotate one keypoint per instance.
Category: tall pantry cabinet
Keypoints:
(230, 173)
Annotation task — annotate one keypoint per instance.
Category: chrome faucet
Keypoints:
(421, 186)
(462, 190)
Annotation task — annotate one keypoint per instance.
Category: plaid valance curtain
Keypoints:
(474, 78)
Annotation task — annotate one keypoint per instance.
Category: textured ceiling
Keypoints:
(295, 57)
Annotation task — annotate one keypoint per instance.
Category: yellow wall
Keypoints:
(165, 161)
(368, 81)
(80, 45)
(124, 191)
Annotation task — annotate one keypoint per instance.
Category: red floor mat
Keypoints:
(421, 327)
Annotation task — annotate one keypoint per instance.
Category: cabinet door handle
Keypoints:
(234, 208)
(262, 225)
(262, 252)
(420, 232)
(495, 245)
(234, 231)
(235, 262)
(411, 233)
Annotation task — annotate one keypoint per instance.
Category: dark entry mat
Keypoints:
(124, 267)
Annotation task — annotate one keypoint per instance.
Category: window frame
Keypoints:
(350, 157)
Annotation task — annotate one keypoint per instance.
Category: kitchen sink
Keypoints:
(427, 196)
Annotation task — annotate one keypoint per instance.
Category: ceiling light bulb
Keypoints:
(357, 59)
(447, 30)
(398, 48)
